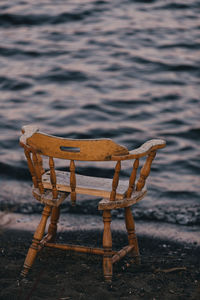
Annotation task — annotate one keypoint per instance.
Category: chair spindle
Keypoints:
(115, 181)
(38, 173)
(132, 178)
(40, 163)
(53, 178)
(31, 167)
(73, 182)
(144, 173)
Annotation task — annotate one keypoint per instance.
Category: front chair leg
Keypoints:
(132, 238)
(107, 245)
(33, 250)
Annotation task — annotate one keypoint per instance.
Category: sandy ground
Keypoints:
(168, 270)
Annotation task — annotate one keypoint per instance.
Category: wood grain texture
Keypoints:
(53, 178)
(120, 254)
(115, 181)
(90, 150)
(132, 178)
(38, 173)
(145, 149)
(31, 166)
(73, 182)
(107, 245)
(132, 238)
(126, 202)
(47, 197)
(40, 163)
(33, 250)
(77, 248)
(52, 229)
(88, 185)
(144, 173)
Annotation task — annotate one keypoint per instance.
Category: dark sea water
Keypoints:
(126, 70)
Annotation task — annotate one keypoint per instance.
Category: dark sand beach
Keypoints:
(168, 270)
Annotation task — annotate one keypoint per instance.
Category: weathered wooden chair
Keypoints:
(52, 187)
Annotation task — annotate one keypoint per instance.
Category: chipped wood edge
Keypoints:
(107, 204)
(27, 132)
(143, 150)
(45, 199)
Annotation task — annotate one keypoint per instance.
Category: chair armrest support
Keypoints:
(143, 150)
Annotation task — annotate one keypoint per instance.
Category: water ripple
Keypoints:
(61, 76)
(127, 70)
(10, 20)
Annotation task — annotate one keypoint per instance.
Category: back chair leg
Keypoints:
(33, 250)
(132, 238)
(107, 245)
(52, 230)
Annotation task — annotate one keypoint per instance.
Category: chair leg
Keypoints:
(33, 250)
(132, 238)
(52, 230)
(107, 245)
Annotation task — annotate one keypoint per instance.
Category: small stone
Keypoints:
(182, 219)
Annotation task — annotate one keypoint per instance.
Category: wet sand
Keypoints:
(168, 270)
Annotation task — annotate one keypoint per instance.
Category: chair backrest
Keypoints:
(36, 143)
(84, 150)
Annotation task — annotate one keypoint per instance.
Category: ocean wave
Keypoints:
(181, 45)
(8, 171)
(16, 52)
(14, 84)
(8, 19)
(178, 6)
(60, 75)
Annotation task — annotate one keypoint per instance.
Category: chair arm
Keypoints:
(143, 150)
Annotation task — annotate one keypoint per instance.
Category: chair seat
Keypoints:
(95, 186)
(126, 202)
(47, 197)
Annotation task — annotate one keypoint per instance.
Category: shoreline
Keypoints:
(180, 234)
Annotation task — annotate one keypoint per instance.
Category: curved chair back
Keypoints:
(36, 143)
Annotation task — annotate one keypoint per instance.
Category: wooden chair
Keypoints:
(52, 187)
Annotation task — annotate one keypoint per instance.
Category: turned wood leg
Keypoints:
(132, 238)
(107, 245)
(32, 252)
(52, 230)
